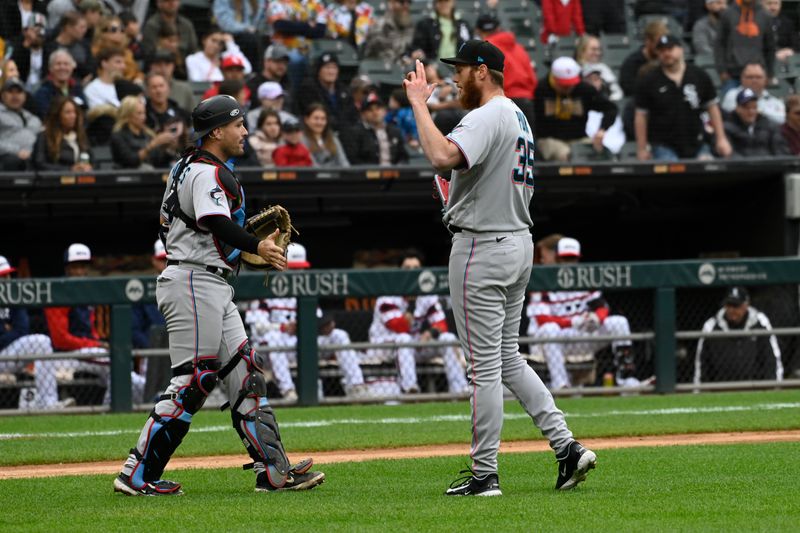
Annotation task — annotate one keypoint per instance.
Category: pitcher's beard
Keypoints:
(470, 97)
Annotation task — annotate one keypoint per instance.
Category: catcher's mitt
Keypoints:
(262, 226)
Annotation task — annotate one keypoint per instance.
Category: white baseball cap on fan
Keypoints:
(5, 266)
(77, 253)
(296, 256)
(568, 247)
(566, 71)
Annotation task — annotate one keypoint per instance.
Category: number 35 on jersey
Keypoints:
(523, 172)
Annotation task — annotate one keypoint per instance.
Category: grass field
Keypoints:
(704, 488)
(58, 438)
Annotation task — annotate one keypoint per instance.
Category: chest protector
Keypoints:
(226, 180)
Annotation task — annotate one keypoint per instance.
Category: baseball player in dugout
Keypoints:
(399, 319)
(490, 154)
(202, 217)
(567, 314)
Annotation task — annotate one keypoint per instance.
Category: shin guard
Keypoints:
(259, 432)
(170, 419)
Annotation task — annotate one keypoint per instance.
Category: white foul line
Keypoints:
(417, 420)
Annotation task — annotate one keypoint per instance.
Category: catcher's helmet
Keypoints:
(214, 112)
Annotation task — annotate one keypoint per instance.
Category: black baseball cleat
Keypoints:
(295, 481)
(123, 484)
(472, 485)
(575, 466)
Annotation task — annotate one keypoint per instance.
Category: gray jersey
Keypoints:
(200, 195)
(495, 189)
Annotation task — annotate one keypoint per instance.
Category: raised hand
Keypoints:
(416, 85)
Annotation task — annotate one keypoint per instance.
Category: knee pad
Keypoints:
(259, 432)
(204, 381)
(253, 360)
(166, 434)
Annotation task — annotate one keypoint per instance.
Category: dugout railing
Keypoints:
(662, 289)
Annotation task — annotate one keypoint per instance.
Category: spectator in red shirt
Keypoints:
(519, 78)
(561, 18)
(233, 68)
(294, 153)
(72, 329)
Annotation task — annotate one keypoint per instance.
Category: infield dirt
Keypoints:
(343, 456)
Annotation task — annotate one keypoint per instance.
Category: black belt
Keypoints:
(219, 271)
(454, 229)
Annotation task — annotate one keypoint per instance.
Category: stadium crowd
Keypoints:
(93, 84)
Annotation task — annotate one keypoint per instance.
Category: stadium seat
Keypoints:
(786, 70)
(101, 157)
(420, 9)
(519, 9)
(784, 88)
(382, 72)
(628, 151)
(348, 56)
(417, 158)
(200, 87)
(614, 41)
(615, 57)
(585, 152)
(467, 10)
(538, 58)
(704, 61)
(522, 28)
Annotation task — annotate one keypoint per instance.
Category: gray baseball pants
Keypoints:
(202, 321)
(488, 276)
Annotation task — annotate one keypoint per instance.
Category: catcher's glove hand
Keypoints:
(262, 226)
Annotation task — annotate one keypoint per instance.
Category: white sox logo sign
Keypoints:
(426, 281)
(706, 273)
(134, 290)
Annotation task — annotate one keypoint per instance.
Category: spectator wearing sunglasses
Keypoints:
(111, 34)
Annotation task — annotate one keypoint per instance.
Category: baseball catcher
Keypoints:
(203, 221)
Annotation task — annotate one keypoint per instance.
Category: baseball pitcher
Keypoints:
(490, 154)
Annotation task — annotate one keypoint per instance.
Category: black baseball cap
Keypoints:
(487, 21)
(477, 52)
(668, 41)
(324, 59)
(13, 83)
(746, 96)
(370, 100)
(213, 113)
(291, 126)
(736, 296)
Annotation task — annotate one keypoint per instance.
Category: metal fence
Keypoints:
(659, 336)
